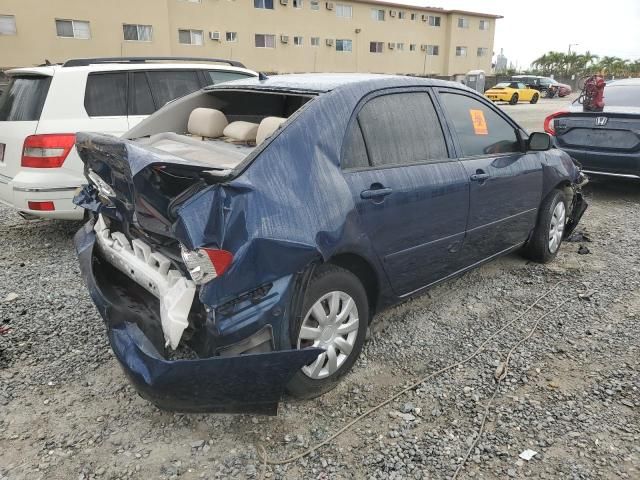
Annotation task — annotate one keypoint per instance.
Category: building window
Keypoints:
(463, 22)
(412, 47)
(376, 47)
(315, 41)
(434, 21)
(297, 3)
(433, 50)
(264, 40)
(137, 33)
(73, 29)
(484, 24)
(483, 52)
(232, 36)
(400, 46)
(414, 16)
(190, 37)
(402, 15)
(461, 51)
(343, 45)
(315, 5)
(263, 4)
(7, 25)
(377, 14)
(298, 41)
(192, 1)
(344, 11)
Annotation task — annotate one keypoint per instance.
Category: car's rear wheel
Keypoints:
(336, 316)
(534, 99)
(547, 236)
(514, 99)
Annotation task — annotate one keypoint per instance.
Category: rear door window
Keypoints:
(402, 128)
(23, 99)
(106, 95)
(213, 77)
(169, 85)
(480, 130)
(141, 101)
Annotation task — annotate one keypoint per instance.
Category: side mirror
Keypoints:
(539, 142)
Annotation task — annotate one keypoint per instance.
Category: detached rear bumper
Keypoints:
(252, 383)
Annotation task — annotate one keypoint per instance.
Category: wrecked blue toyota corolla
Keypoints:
(242, 237)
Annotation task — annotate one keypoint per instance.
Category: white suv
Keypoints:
(43, 107)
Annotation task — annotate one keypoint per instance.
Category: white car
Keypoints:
(43, 107)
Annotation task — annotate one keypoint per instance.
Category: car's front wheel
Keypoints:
(547, 236)
(336, 316)
(514, 99)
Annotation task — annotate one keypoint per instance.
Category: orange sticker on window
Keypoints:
(479, 123)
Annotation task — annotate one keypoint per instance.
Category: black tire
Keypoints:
(534, 99)
(544, 93)
(537, 248)
(514, 99)
(327, 279)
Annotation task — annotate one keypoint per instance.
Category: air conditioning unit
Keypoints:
(391, 45)
(329, 5)
(284, 38)
(392, 13)
(284, 2)
(423, 48)
(329, 42)
(214, 36)
(424, 18)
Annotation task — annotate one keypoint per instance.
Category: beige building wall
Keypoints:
(36, 38)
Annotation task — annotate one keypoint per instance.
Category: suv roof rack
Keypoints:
(83, 62)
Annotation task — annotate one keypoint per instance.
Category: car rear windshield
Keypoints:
(622, 96)
(24, 98)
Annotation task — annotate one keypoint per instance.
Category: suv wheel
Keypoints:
(547, 236)
(336, 319)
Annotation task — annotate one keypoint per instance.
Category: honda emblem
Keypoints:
(601, 121)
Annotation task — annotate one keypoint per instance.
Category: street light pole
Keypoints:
(572, 45)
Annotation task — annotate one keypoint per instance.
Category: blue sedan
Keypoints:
(256, 226)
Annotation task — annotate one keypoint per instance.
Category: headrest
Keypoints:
(207, 122)
(242, 131)
(267, 127)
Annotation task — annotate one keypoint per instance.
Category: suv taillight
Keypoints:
(47, 151)
(205, 264)
(548, 122)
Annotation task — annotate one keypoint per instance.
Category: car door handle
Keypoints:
(375, 193)
(479, 176)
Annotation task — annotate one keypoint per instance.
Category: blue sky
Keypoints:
(529, 29)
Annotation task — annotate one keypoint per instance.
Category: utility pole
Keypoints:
(572, 45)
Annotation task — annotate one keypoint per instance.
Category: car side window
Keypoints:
(480, 130)
(355, 151)
(402, 128)
(213, 77)
(106, 95)
(141, 102)
(169, 85)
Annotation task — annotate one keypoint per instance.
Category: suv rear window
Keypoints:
(106, 95)
(24, 98)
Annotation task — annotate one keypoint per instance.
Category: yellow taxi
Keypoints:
(512, 92)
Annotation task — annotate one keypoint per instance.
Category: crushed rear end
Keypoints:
(161, 226)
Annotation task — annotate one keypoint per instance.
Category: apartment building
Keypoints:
(268, 35)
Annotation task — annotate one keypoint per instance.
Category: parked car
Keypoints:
(512, 92)
(43, 108)
(547, 86)
(607, 142)
(262, 223)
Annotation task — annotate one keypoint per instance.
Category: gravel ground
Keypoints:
(571, 393)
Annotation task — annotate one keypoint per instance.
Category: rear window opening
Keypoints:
(218, 128)
(24, 98)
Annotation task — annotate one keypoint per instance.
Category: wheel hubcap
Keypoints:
(332, 324)
(556, 229)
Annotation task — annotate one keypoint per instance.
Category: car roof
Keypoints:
(51, 70)
(325, 82)
(625, 82)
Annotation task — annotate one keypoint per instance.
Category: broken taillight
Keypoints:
(47, 151)
(548, 122)
(205, 264)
